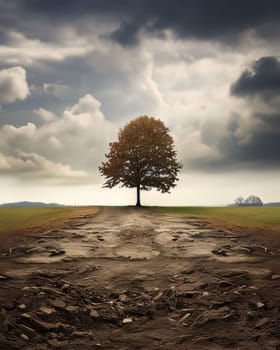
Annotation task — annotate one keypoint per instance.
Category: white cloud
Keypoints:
(13, 85)
(70, 147)
(11, 164)
(87, 104)
(54, 142)
(23, 50)
(33, 167)
(58, 90)
(44, 114)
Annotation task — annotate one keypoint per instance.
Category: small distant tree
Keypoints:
(239, 200)
(143, 158)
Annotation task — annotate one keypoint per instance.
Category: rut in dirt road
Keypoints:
(133, 279)
(136, 234)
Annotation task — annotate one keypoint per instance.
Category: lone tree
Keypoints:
(142, 158)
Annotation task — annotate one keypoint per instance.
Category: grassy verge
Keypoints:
(251, 217)
(17, 220)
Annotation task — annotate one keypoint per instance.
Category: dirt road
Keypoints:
(132, 279)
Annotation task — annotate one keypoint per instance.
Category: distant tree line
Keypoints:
(252, 200)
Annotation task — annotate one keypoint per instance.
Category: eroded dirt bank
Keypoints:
(131, 279)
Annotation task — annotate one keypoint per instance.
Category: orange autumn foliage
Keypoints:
(143, 157)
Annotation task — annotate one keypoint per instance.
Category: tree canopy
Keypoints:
(143, 157)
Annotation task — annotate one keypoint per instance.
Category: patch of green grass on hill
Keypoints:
(252, 217)
(22, 219)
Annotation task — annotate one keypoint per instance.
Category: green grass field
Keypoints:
(24, 219)
(252, 217)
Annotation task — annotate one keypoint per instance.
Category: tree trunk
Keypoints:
(138, 203)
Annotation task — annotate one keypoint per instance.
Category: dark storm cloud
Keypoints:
(215, 19)
(262, 149)
(262, 79)
(259, 152)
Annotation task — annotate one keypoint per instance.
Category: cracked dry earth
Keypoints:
(133, 279)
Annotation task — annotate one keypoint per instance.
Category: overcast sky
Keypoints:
(73, 72)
